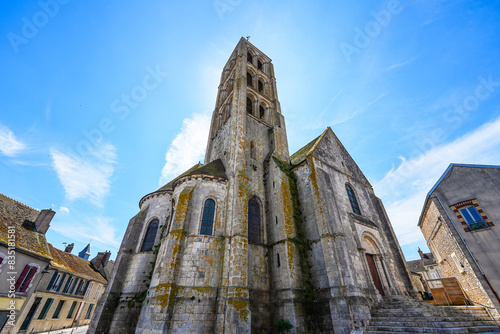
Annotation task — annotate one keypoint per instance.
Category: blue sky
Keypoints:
(102, 102)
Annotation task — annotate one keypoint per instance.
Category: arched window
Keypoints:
(249, 57)
(249, 105)
(207, 220)
(149, 238)
(259, 64)
(352, 199)
(262, 113)
(249, 79)
(261, 87)
(253, 221)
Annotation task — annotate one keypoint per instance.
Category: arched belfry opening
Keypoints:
(249, 105)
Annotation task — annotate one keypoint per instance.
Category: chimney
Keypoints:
(69, 248)
(43, 220)
(105, 259)
(421, 253)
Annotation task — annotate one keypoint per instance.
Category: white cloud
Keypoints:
(9, 145)
(99, 229)
(187, 148)
(86, 177)
(63, 209)
(405, 188)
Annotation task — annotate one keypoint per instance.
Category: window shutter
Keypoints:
(27, 282)
(85, 289)
(61, 282)
(51, 284)
(23, 275)
(73, 287)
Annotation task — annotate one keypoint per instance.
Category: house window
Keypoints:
(89, 311)
(71, 310)
(471, 216)
(80, 287)
(24, 280)
(45, 309)
(68, 284)
(149, 238)
(207, 220)
(74, 286)
(58, 309)
(253, 221)
(352, 199)
(89, 289)
(98, 290)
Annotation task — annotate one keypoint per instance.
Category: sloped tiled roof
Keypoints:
(14, 213)
(74, 264)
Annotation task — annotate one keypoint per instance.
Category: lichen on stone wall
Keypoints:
(303, 245)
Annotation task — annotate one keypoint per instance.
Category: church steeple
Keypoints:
(247, 99)
(85, 253)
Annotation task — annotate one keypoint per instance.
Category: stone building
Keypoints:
(255, 235)
(460, 221)
(66, 294)
(24, 255)
(428, 268)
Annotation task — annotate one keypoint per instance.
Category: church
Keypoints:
(255, 236)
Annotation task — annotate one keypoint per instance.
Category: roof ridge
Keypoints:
(27, 206)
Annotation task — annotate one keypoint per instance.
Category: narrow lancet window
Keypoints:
(249, 105)
(253, 221)
(249, 80)
(207, 220)
(149, 238)
(261, 87)
(352, 199)
(259, 64)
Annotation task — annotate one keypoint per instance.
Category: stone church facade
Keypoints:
(255, 235)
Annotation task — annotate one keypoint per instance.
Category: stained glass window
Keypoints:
(352, 199)
(149, 238)
(207, 220)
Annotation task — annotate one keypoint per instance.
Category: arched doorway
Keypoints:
(372, 252)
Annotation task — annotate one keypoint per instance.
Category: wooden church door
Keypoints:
(374, 272)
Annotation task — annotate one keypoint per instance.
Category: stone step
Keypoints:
(411, 314)
(426, 323)
(428, 319)
(454, 330)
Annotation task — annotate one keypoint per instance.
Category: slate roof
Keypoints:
(14, 213)
(419, 265)
(214, 168)
(74, 264)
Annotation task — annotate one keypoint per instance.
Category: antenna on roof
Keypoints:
(248, 37)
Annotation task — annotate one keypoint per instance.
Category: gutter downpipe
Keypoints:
(466, 246)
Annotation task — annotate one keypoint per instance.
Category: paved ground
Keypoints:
(74, 330)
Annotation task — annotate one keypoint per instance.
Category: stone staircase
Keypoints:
(400, 314)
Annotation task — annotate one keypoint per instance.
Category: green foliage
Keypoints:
(283, 326)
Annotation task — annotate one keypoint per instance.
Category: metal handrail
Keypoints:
(471, 301)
